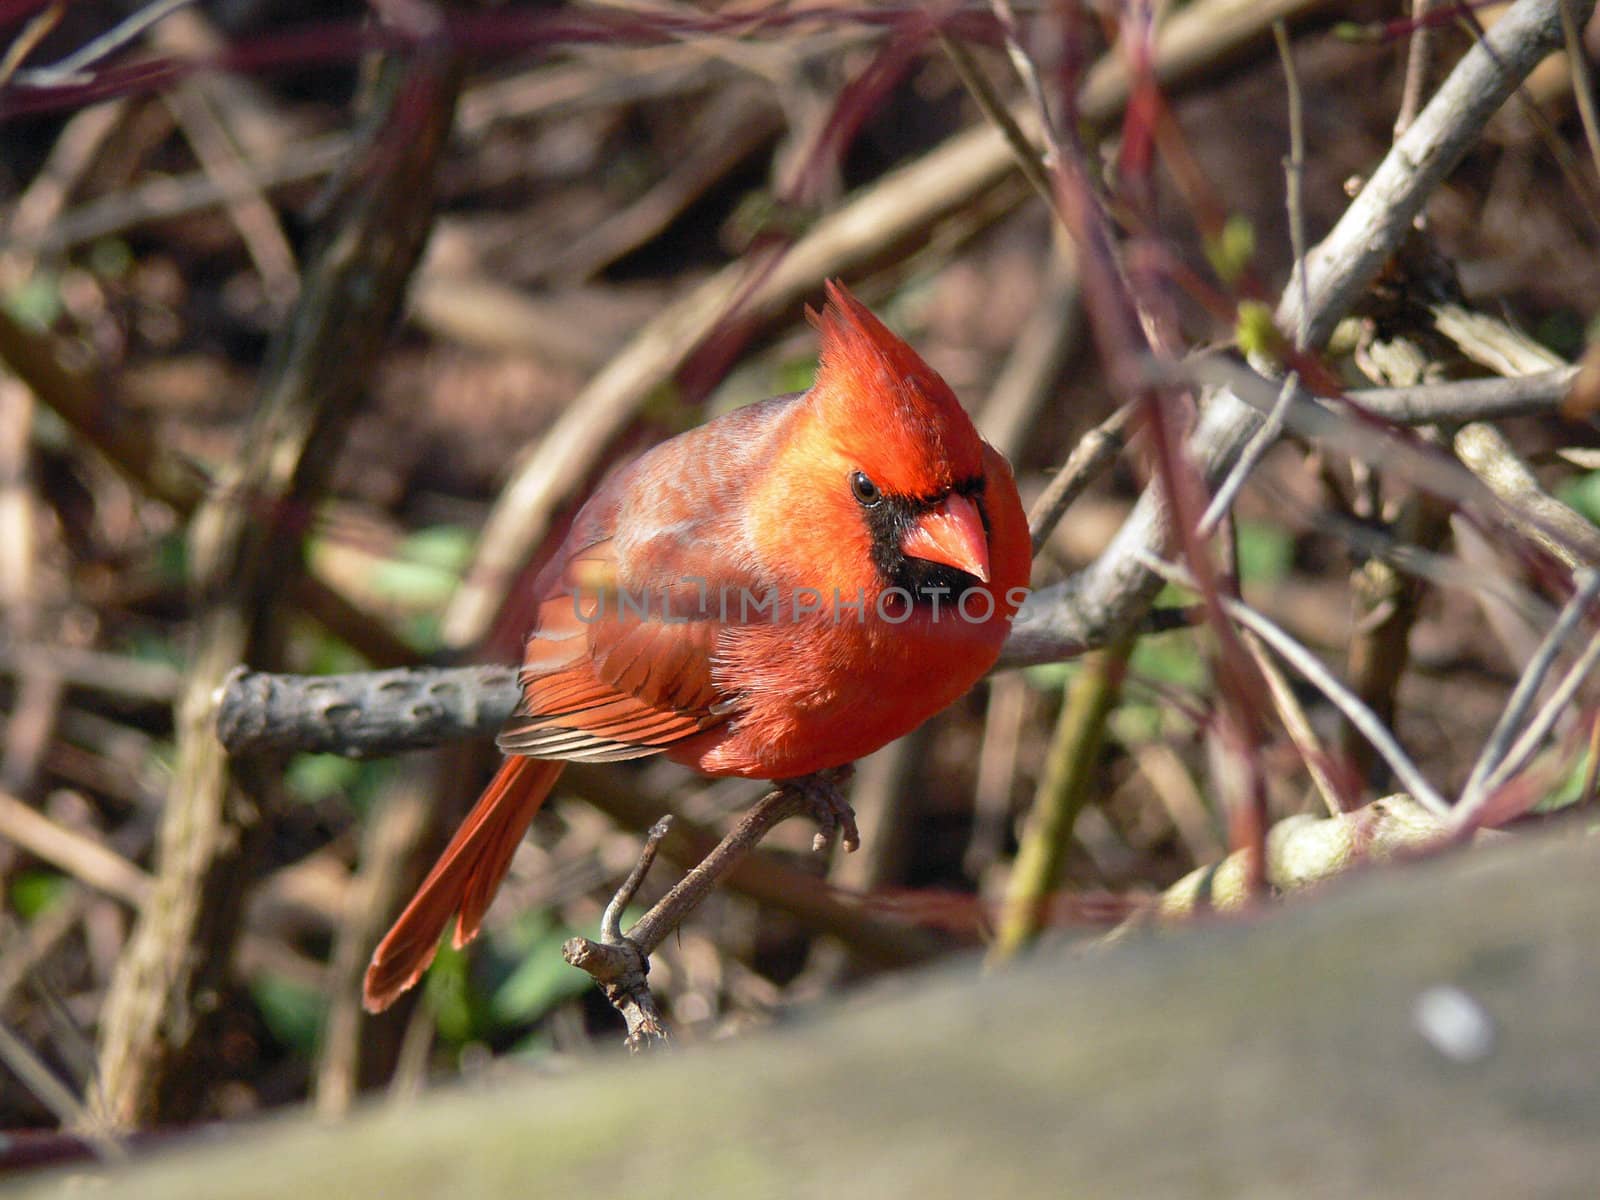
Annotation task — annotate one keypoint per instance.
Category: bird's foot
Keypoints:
(823, 793)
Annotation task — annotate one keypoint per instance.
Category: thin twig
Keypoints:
(1528, 685)
(82, 857)
(39, 27)
(1095, 451)
(1518, 756)
(1582, 79)
(1343, 699)
(1266, 437)
(1298, 726)
(1294, 172)
(1022, 63)
(49, 1090)
(72, 69)
(253, 218)
(1419, 55)
(1028, 156)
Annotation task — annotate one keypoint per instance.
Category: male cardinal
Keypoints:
(780, 591)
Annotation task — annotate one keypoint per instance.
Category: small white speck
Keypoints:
(1454, 1023)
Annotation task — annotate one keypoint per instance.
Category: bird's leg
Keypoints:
(823, 796)
(620, 961)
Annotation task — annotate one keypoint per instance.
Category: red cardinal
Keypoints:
(782, 590)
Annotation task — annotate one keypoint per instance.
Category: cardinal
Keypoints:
(772, 594)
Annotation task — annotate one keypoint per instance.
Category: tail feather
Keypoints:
(463, 881)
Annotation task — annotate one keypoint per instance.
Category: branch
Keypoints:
(1110, 593)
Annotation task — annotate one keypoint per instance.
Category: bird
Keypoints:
(772, 594)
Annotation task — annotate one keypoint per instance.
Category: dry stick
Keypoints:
(1582, 79)
(1222, 501)
(186, 195)
(620, 961)
(1517, 757)
(25, 43)
(1025, 153)
(152, 1061)
(1528, 685)
(388, 841)
(1294, 173)
(1485, 451)
(1095, 452)
(49, 1090)
(1419, 54)
(252, 216)
(1297, 724)
(70, 69)
(85, 859)
(1311, 667)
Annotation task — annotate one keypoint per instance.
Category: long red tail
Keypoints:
(464, 880)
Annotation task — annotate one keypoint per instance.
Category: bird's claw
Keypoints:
(824, 797)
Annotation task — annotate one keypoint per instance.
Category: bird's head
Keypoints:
(905, 460)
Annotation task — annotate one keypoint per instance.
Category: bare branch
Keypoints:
(1108, 595)
(1343, 699)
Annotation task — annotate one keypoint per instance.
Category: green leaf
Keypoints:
(1257, 331)
(795, 376)
(37, 301)
(110, 258)
(1583, 494)
(445, 547)
(1173, 659)
(35, 892)
(1231, 250)
(1266, 552)
(542, 978)
(313, 777)
(292, 1012)
(450, 995)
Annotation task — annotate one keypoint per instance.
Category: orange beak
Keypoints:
(951, 534)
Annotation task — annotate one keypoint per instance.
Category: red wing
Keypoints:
(610, 674)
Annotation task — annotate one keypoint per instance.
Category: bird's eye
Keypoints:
(865, 491)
